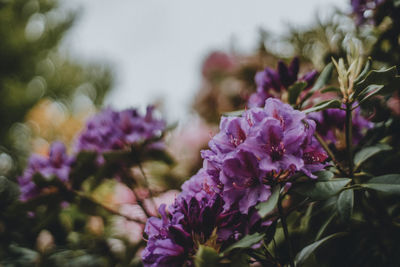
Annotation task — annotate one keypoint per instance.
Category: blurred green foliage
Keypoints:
(33, 67)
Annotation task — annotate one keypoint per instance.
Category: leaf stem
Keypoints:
(286, 232)
(349, 138)
(330, 153)
(106, 208)
(146, 183)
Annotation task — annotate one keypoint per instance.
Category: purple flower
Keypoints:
(174, 238)
(243, 184)
(57, 164)
(331, 125)
(233, 133)
(110, 130)
(263, 147)
(201, 185)
(272, 83)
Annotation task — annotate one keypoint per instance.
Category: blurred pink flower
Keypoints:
(217, 62)
(186, 142)
(122, 195)
(132, 231)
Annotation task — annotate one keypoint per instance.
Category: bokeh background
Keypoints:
(156, 48)
(62, 61)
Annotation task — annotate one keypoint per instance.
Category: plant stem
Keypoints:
(146, 182)
(108, 209)
(330, 153)
(349, 139)
(286, 233)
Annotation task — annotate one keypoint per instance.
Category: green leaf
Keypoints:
(369, 152)
(331, 89)
(236, 113)
(295, 90)
(319, 190)
(388, 78)
(158, 155)
(245, 242)
(303, 255)
(389, 183)
(323, 78)
(334, 103)
(266, 207)
(324, 226)
(369, 92)
(324, 175)
(119, 156)
(23, 256)
(364, 72)
(345, 204)
(238, 260)
(43, 182)
(83, 168)
(206, 256)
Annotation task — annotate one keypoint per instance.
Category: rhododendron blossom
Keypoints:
(57, 164)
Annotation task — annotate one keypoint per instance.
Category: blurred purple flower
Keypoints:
(272, 83)
(110, 130)
(57, 164)
(364, 10)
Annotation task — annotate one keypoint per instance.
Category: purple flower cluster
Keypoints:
(250, 154)
(331, 125)
(111, 130)
(273, 83)
(174, 238)
(106, 131)
(57, 164)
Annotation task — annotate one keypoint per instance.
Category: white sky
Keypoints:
(156, 47)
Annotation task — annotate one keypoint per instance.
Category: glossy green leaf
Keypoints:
(323, 78)
(389, 183)
(331, 89)
(345, 205)
(334, 103)
(295, 90)
(319, 190)
(388, 78)
(264, 208)
(324, 226)
(324, 175)
(368, 152)
(303, 255)
(206, 256)
(364, 72)
(245, 242)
